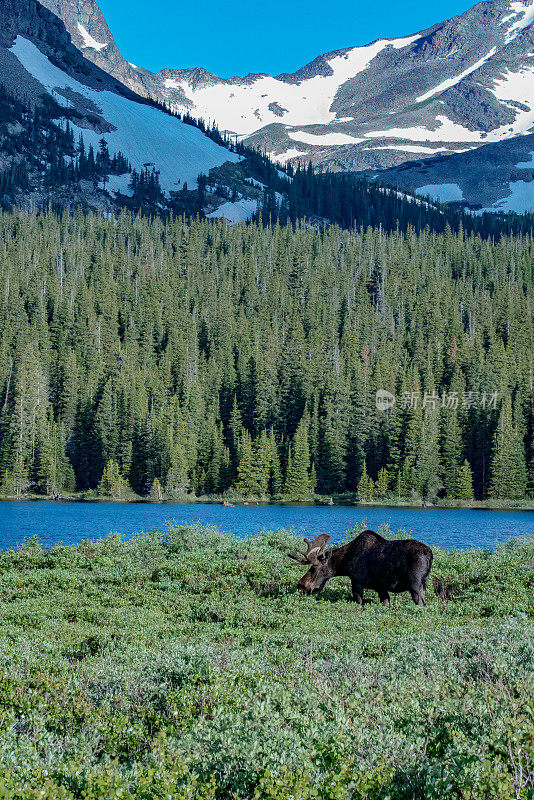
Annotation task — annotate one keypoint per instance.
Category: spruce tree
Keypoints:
(365, 486)
(508, 469)
(382, 483)
(464, 482)
(156, 491)
(112, 484)
(451, 449)
(298, 483)
(249, 477)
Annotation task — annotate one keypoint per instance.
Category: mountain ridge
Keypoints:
(76, 108)
(454, 87)
(400, 108)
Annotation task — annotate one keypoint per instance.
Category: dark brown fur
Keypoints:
(372, 562)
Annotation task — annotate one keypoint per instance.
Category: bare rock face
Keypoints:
(91, 35)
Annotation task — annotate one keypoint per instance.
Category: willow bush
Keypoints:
(186, 665)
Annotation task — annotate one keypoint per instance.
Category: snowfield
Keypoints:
(446, 131)
(521, 199)
(88, 40)
(239, 211)
(513, 87)
(323, 138)
(143, 134)
(453, 81)
(410, 148)
(243, 109)
(443, 192)
(524, 13)
(281, 158)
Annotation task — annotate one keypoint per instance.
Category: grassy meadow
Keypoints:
(184, 664)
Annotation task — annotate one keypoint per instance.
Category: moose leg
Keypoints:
(418, 596)
(357, 592)
(384, 598)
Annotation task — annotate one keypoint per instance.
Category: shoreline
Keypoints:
(320, 501)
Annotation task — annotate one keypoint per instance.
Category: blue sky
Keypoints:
(235, 38)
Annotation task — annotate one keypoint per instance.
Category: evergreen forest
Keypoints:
(174, 357)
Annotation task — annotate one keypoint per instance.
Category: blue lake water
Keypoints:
(70, 523)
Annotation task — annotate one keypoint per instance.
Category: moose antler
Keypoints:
(315, 550)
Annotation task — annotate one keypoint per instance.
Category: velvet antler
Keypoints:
(315, 550)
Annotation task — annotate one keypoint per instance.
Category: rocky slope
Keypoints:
(438, 98)
(462, 83)
(494, 177)
(41, 65)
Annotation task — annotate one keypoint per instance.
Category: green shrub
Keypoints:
(186, 665)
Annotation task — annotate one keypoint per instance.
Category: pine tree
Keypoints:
(27, 449)
(365, 486)
(235, 430)
(218, 458)
(333, 446)
(451, 449)
(382, 483)
(298, 484)
(249, 478)
(508, 469)
(464, 482)
(112, 484)
(178, 465)
(427, 465)
(156, 492)
(275, 485)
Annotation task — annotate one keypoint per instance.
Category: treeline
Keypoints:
(174, 356)
(352, 200)
(39, 146)
(44, 162)
(42, 158)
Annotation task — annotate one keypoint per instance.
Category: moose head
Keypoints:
(320, 567)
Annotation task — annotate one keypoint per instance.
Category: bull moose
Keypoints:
(371, 562)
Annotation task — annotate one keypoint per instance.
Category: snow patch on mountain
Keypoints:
(446, 131)
(443, 192)
(521, 199)
(281, 158)
(88, 40)
(239, 211)
(244, 108)
(517, 87)
(410, 148)
(404, 196)
(323, 138)
(142, 133)
(453, 81)
(525, 16)
(119, 183)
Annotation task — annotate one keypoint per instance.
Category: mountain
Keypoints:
(58, 110)
(463, 82)
(494, 177)
(447, 112)
(444, 92)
